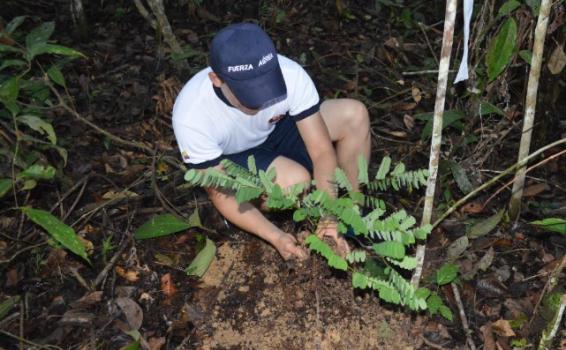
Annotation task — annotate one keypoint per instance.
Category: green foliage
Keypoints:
(502, 49)
(446, 274)
(58, 230)
(202, 261)
(319, 246)
(26, 101)
(166, 224)
(392, 234)
(548, 224)
(7, 305)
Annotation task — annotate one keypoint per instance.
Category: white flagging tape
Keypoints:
(463, 70)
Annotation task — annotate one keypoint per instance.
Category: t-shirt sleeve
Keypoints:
(302, 95)
(198, 149)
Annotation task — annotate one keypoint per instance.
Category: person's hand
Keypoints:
(286, 245)
(328, 227)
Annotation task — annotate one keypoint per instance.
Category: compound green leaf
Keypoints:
(55, 74)
(5, 186)
(161, 225)
(434, 303)
(14, 24)
(38, 172)
(39, 35)
(552, 224)
(391, 249)
(446, 274)
(58, 230)
(526, 55)
(39, 125)
(363, 177)
(11, 63)
(383, 168)
(324, 249)
(251, 165)
(501, 49)
(201, 262)
(446, 312)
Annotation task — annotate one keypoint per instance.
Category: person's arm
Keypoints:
(250, 219)
(317, 140)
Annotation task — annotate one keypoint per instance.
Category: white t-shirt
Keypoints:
(206, 126)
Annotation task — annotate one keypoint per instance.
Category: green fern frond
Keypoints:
(390, 249)
(383, 168)
(386, 291)
(319, 246)
(356, 256)
(241, 174)
(342, 180)
(363, 177)
(406, 290)
(251, 165)
(408, 262)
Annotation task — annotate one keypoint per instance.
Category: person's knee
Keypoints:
(296, 175)
(358, 116)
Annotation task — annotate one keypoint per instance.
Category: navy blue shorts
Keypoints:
(284, 140)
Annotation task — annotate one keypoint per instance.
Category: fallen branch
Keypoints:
(465, 325)
(505, 172)
(544, 161)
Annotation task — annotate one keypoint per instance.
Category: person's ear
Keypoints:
(215, 79)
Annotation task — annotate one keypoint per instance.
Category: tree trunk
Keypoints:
(530, 104)
(436, 140)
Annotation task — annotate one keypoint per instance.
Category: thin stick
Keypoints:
(102, 275)
(436, 140)
(79, 196)
(530, 104)
(96, 127)
(495, 179)
(68, 193)
(469, 339)
(544, 161)
(80, 278)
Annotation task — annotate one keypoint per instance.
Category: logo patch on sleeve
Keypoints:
(185, 155)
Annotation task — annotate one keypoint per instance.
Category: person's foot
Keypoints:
(286, 245)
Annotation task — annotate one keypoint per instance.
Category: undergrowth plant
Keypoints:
(30, 67)
(385, 237)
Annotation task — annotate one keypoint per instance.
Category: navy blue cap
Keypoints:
(244, 57)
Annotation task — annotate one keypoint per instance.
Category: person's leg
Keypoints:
(347, 121)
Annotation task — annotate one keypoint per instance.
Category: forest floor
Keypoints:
(250, 298)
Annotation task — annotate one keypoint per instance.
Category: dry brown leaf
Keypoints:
(119, 194)
(89, 246)
(503, 328)
(472, 208)
(129, 275)
(392, 42)
(404, 106)
(156, 343)
(533, 190)
(408, 121)
(416, 93)
(132, 311)
(168, 287)
(488, 339)
(87, 300)
(557, 60)
(12, 277)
